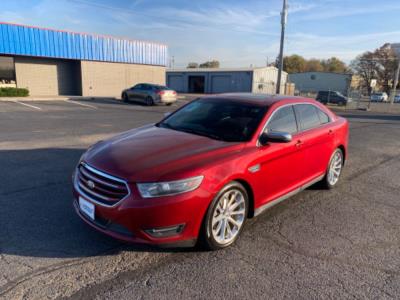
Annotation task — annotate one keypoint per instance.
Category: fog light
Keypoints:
(165, 231)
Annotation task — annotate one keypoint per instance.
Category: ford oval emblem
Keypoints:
(91, 184)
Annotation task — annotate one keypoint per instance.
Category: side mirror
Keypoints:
(275, 137)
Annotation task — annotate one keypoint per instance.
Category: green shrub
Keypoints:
(13, 92)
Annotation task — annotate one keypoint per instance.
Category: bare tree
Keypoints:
(367, 67)
(387, 63)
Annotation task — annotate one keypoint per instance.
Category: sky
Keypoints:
(237, 33)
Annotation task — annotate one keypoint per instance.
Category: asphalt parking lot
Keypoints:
(343, 243)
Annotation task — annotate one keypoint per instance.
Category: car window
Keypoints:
(283, 120)
(323, 117)
(307, 116)
(137, 87)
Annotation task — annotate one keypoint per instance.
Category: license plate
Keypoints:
(86, 207)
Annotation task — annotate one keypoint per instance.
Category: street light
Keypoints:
(283, 24)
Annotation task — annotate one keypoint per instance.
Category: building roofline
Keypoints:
(181, 70)
(321, 72)
(83, 33)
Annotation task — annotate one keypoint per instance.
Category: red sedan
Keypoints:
(202, 171)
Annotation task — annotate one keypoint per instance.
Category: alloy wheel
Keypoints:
(228, 216)
(335, 168)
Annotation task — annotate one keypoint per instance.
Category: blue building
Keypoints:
(56, 62)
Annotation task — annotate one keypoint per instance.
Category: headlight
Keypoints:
(168, 188)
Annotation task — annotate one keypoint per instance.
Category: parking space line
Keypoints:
(28, 105)
(82, 104)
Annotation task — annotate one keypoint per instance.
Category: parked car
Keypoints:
(397, 98)
(198, 174)
(149, 94)
(379, 97)
(332, 97)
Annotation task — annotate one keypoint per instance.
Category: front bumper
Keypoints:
(134, 218)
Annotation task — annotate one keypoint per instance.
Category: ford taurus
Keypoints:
(198, 174)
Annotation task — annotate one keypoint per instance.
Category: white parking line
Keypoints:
(28, 105)
(82, 104)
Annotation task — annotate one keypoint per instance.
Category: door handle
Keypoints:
(299, 143)
(330, 132)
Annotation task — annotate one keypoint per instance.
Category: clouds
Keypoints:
(238, 33)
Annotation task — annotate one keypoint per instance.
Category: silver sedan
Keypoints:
(149, 94)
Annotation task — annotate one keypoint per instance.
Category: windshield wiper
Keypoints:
(202, 133)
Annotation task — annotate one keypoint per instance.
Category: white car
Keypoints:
(397, 98)
(379, 97)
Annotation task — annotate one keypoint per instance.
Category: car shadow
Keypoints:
(37, 218)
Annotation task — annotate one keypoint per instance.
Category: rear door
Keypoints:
(281, 167)
(317, 136)
(133, 92)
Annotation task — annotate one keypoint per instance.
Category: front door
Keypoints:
(281, 164)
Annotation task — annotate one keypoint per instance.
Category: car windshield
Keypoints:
(220, 119)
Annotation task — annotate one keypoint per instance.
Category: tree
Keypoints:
(192, 65)
(314, 65)
(294, 64)
(366, 66)
(335, 65)
(387, 63)
(210, 64)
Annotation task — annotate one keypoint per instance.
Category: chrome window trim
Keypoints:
(298, 131)
(98, 172)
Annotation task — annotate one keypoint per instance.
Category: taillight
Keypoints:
(161, 93)
(173, 92)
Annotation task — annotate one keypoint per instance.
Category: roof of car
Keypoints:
(264, 99)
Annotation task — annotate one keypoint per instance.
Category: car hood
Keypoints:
(151, 153)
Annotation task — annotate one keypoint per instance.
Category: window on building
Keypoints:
(7, 70)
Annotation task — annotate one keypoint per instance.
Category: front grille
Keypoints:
(99, 186)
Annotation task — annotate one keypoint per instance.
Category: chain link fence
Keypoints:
(359, 100)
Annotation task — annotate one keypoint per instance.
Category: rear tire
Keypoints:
(334, 170)
(225, 217)
(168, 104)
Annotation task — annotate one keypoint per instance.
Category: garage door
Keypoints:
(175, 82)
(221, 84)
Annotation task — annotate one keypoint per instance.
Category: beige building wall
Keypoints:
(48, 77)
(109, 79)
(265, 79)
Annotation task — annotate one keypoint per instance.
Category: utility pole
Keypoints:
(283, 24)
(396, 81)
(396, 48)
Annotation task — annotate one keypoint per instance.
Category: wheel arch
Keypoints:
(343, 149)
(250, 193)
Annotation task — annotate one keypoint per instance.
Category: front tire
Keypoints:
(334, 170)
(125, 97)
(149, 101)
(225, 217)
